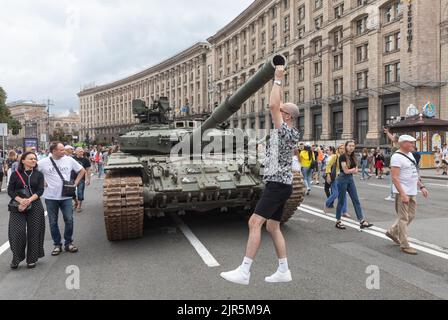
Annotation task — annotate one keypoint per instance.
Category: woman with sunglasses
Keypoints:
(27, 218)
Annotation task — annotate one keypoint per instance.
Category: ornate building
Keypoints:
(106, 110)
(354, 66)
(69, 124)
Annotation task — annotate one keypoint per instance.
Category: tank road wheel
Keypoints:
(123, 206)
(296, 199)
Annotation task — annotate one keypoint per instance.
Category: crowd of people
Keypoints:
(60, 176)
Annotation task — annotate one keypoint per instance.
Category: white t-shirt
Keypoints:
(65, 165)
(408, 173)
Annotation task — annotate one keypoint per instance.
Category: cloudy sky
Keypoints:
(50, 48)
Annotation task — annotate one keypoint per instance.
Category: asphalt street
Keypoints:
(182, 258)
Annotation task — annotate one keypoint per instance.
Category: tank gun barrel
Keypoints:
(233, 103)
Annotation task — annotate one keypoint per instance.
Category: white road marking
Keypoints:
(431, 249)
(378, 185)
(197, 245)
(437, 185)
(6, 245)
(318, 187)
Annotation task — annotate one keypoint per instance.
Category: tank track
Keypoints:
(296, 199)
(123, 206)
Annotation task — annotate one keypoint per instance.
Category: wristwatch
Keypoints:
(278, 82)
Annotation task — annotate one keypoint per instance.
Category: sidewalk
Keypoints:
(431, 174)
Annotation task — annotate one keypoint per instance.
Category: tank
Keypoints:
(146, 178)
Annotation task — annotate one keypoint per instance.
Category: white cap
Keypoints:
(405, 138)
(68, 147)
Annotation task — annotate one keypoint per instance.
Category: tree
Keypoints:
(5, 115)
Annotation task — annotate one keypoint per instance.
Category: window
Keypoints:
(285, 4)
(337, 37)
(362, 79)
(286, 79)
(274, 12)
(361, 26)
(338, 86)
(318, 68)
(286, 23)
(263, 38)
(398, 40)
(263, 21)
(317, 4)
(317, 126)
(286, 40)
(392, 73)
(317, 46)
(301, 14)
(318, 22)
(388, 14)
(301, 124)
(338, 11)
(318, 91)
(301, 95)
(362, 125)
(286, 96)
(338, 125)
(389, 43)
(360, 2)
(301, 32)
(301, 74)
(338, 61)
(301, 53)
(274, 31)
(362, 53)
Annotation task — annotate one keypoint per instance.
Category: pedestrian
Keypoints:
(12, 158)
(278, 178)
(406, 181)
(348, 167)
(364, 164)
(307, 161)
(394, 141)
(332, 171)
(26, 229)
(85, 181)
(69, 150)
(445, 162)
(100, 162)
(329, 152)
(2, 168)
(438, 155)
(53, 168)
(379, 164)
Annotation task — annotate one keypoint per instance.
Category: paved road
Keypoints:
(164, 264)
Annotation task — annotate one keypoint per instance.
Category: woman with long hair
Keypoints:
(12, 158)
(332, 171)
(348, 166)
(27, 218)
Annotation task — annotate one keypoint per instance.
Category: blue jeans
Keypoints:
(307, 175)
(347, 184)
(364, 168)
(334, 195)
(392, 195)
(66, 207)
(100, 170)
(80, 190)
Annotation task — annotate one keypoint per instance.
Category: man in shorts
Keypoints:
(278, 177)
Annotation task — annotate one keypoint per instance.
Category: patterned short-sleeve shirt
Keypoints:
(278, 161)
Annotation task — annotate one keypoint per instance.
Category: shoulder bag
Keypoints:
(68, 187)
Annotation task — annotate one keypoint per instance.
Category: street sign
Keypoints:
(43, 137)
(3, 129)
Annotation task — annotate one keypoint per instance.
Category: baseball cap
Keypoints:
(405, 138)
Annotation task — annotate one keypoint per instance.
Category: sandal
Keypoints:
(365, 225)
(71, 248)
(340, 226)
(56, 251)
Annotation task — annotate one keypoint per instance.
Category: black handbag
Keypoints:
(68, 187)
(13, 205)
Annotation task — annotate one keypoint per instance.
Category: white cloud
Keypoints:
(52, 47)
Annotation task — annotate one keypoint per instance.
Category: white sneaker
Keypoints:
(389, 199)
(237, 276)
(279, 277)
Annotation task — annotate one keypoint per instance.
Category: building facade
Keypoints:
(106, 111)
(69, 124)
(353, 65)
(32, 116)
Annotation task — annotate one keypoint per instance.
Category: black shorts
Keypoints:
(272, 201)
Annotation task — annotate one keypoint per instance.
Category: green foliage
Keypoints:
(5, 115)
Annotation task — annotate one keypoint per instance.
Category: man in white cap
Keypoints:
(69, 150)
(405, 178)
(278, 177)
